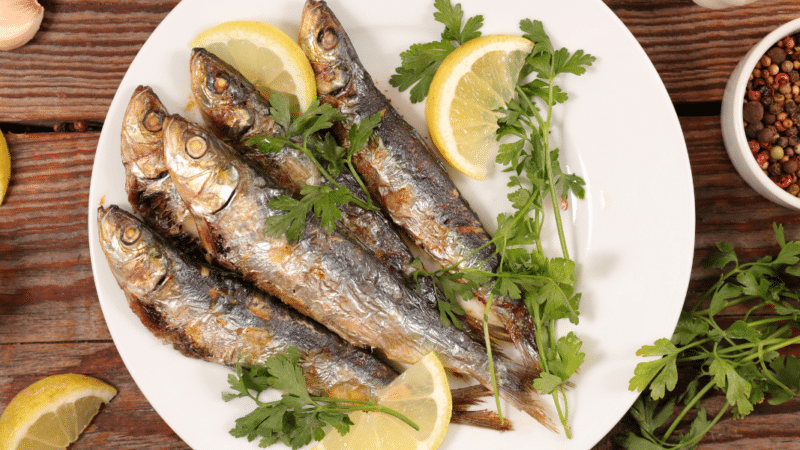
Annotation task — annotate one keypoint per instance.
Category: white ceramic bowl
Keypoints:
(732, 120)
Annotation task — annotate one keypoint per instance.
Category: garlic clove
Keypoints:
(19, 21)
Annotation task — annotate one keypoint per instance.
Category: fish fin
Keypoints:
(468, 396)
(482, 419)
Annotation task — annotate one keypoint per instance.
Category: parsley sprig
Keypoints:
(420, 61)
(546, 285)
(297, 417)
(329, 158)
(742, 359)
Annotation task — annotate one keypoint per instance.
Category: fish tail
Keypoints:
(483, 419)
(466, 397)
(515, 383)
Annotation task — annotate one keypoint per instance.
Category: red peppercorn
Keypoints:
(782, 78)
(754, 147)
(784, 181)
(753, 96)
(789, 43)
(763, 159)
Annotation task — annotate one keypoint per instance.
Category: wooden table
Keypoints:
(54, 95)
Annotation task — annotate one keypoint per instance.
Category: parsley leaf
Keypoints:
(297, 418)
(321, 201)
(420, 61)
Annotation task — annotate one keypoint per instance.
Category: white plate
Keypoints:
(633, 235)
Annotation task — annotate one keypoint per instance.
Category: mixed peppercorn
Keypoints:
(772, 115)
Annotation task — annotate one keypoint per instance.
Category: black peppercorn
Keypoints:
(753, 112)
(777, 55)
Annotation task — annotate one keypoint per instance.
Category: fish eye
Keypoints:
(196, 147)
(328, 38)
(220, 84)
(153, 121)
(130, 234)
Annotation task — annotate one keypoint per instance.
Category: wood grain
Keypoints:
(73, 66)
(50, 319)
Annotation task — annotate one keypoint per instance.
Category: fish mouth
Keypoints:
(314, 15)
(323, 41)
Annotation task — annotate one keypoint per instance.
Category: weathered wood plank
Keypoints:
(71, 69)
(695, 49)
(47, 292)
(73, 66)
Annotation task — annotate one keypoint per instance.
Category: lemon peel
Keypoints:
(472, 82)
(5, 167)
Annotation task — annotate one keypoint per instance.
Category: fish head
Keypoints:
(326, 46)
(222, 93)
(200, 165)
(134, 253)
(142, 126)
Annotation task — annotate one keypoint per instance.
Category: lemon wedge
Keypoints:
(52, 412)
(266, 56)
(5, 167)
(422, 394)
(470, 85)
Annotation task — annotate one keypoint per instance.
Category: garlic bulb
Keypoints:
(19, 21)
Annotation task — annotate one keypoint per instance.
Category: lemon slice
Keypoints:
(52, 412)
(266, 56)
(422, 394)
(5, 167)
(472, 82)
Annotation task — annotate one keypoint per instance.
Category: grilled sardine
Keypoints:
(208, 314)
(325, 276)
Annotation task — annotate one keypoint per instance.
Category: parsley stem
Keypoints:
(687, 408)
(564, 417)
(548, 165)
(488, 341)
(363, 405)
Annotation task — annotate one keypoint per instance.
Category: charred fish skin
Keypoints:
(150, 191)
(235, 110)
(324, 276)
(211, 315)
(398, 167)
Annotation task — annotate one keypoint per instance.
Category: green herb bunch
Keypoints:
(742, 359)
(305, 134)
(545, 284)
(297, 417)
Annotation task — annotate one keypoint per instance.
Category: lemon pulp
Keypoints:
(422, 394)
